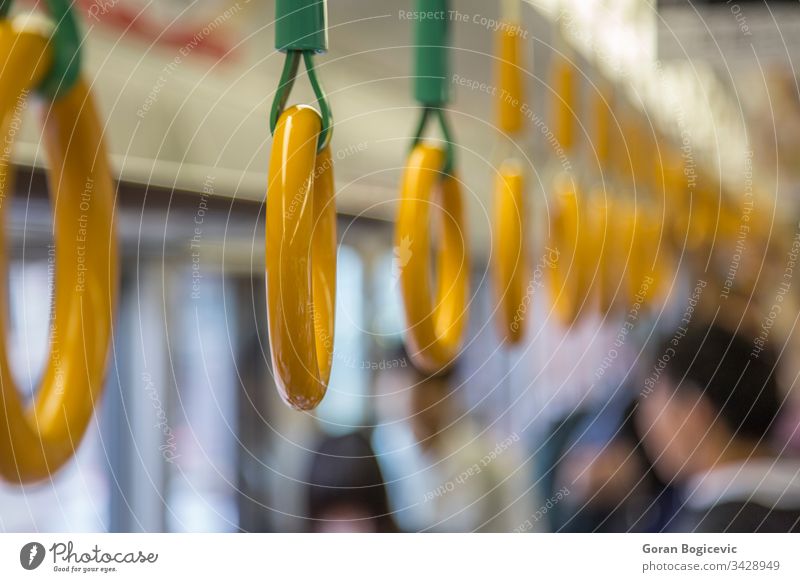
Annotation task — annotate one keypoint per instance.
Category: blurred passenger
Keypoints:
(444, 472)
(610, 482)
(707, 407)
(788, 429)
(346, 492)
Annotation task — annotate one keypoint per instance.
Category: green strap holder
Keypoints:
(431, 42)
(432, 70)
(66, 43)
(301, 25)
(301, 30)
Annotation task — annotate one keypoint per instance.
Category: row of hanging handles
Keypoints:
(301, 238)
(300, 241)
(606, 247)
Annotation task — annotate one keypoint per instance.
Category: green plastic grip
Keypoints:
(301, 25)
(431, 42)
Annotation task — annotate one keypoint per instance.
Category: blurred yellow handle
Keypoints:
(600, 209)
(614, 227)
(651, 268)
(38, 439)
(510, 82)
(564, 103)
(301, 259)
(601, 139)
(434, 331)
(510, 261)
(568, 281)
(509, 266)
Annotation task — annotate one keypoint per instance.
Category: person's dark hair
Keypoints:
(345, 472)
(721, 364)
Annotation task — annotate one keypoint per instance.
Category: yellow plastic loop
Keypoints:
(626, 154)
(694, 210)
(650, 265)
(639, 266)
(701, 210)
(568, 280)
(662, 262)
(601, 223)
(564, 102)
(615, 229)
(510, 264)
(36, 440)
(434, 330)
(602, 130)
(510, 117)
(301, 259)
(676, 198)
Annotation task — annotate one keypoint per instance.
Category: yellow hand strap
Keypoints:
(569, 231)
(509, 257)
(640, 261)
(510, 117)
(510, 262)
(614, 228)
(650, 266)
(565, 87)
(434, 330)
(38, 439)
(301, 259)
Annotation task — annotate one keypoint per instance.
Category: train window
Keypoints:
(200, 454)
(345, 403)
(389, 324)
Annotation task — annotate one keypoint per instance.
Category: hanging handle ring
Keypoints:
(435, 327)
(37, 439)
(435, 323)
(510, 260)
(567, 276)
(301, 259)
(510, 82)
(301, 218)
(509, 252)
